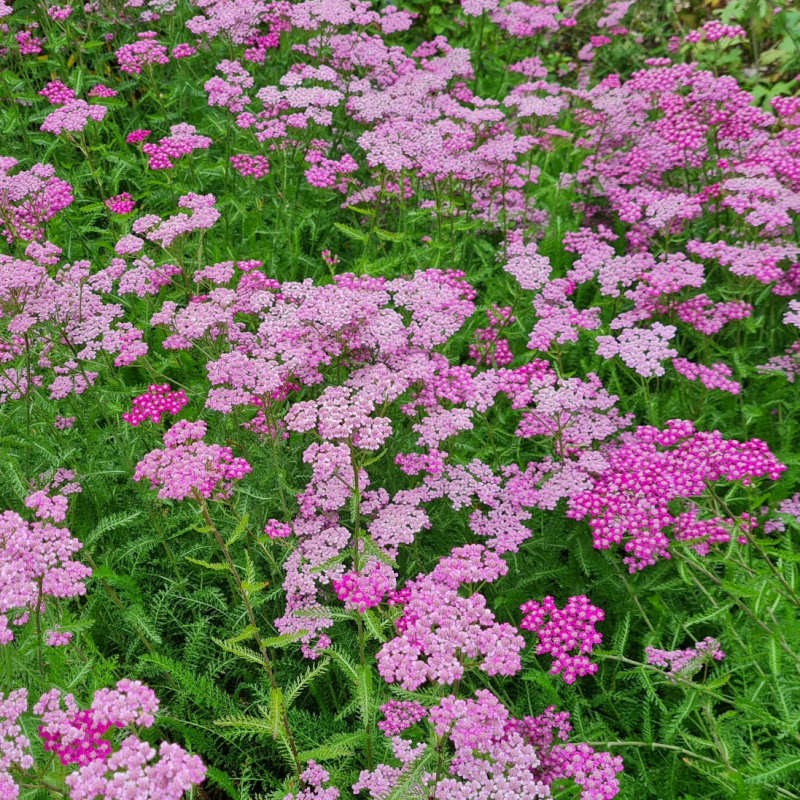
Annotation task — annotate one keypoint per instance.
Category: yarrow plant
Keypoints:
(385, 383)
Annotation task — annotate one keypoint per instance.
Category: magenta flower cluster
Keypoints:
(158, 400)
(634, 500)
(563, 630)
(76, 736)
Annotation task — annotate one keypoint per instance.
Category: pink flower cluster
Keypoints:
(59, 324)
(72, 117)
(36, 562)
(204, 215)
(76, 736)
(490, 347)
(187, 466)
(30, 199)
(158, 400)
(439, 628)
(717, 376)
(314, 776)
(250, 166)
(398, 715)
(145, 52)
(650, 470)
(14, 743)
(182, 141)
(688, 661)
(367, 588)
(495, 755)
(121, 203)
(714, 31)
(568, 629)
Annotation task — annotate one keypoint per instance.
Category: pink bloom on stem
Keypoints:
(687, 661)
(140, 134)
(121, 203)
(568, 629)
(157, 401)
(187, 465)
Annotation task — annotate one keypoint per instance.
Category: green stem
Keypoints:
(265, 658)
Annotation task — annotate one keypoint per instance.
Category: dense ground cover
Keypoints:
(399, 401)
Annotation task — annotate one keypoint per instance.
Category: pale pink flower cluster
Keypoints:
(688, 661)
(495, 756)
(29, 199)
(314, 776)
(439, 628)
(399, 715)
(14, 744)
(65, 323)
(182, 141)
(563, 630)
(72, 117)
(187, 466)
(76, 736)
(229, 92)
(134, 771)
(204, 215)
(144, 52)
(642, 349)
(52, 500)
(36, 562)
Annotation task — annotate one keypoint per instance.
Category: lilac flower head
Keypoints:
(688, 661)
(36, 562)
(187, 466)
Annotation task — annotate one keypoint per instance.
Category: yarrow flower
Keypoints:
(367, 588)
(688, 661)
(72, 117)
(494, 755)
(250, 166)
(76, 736)
(158, 400)
(649, 471)
(36, 562)
(569, 629)
(183, 139)
(139, 135)
(121, 203)
(146, 51)
(187, 466)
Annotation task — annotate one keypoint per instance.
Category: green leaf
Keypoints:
(283, 639)
(238, 650)
(276, 711)
(216, 566)
(240, 528)
(339, 746)
(351, 233)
